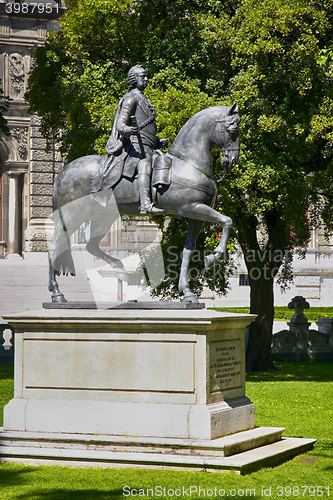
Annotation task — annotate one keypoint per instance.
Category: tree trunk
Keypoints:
(262, 266)
(260, 331)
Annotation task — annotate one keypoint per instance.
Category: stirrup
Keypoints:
(151, 209)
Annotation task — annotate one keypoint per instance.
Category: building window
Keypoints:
(244, 280)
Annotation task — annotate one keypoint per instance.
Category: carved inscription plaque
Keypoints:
(225, 365)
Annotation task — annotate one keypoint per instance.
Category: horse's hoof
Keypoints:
(59, 298)
(190, 297)
(123, 275)
(209, 261)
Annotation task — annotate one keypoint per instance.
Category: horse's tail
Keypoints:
(63, 261)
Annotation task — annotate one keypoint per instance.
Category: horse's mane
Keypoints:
(216, 113)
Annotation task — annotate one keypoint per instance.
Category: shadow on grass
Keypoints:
(9, 477)
(20, 477)
(100, 495)
(324, 449)
(63, 494)
(308, 371)
(6, 371)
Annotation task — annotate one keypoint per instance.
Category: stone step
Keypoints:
(225, 446)
(265, 456)
(242, 463)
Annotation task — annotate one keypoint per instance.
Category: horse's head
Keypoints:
(227, 136)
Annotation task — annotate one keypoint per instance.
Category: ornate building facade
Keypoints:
(26, 170)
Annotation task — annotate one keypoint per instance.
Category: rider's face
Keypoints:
(142, 80)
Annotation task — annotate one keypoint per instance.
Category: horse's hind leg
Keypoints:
(59, 242)
(194, 227)
(57, 295)
(66, 220)
(98, 229)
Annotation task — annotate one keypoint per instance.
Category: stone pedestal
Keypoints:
(136, 388)
(158, 373)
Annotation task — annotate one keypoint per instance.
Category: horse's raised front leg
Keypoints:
(98, 229)
(194, 227)
(205, 213)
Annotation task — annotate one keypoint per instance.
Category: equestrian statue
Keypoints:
(139, 179)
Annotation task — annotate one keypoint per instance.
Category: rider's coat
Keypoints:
(123, 152)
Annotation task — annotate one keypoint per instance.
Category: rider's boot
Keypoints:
(145, 197)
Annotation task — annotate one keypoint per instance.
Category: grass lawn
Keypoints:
(284, 314)
(299, 397)
(6, 388)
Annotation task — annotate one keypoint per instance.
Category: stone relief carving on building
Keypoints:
(41, 33)
(21, 136)
(5, 30)
(16, 74)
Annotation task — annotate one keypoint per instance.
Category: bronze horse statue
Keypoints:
(191, 193)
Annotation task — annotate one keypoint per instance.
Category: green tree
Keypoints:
(272, 57)
(285, 91)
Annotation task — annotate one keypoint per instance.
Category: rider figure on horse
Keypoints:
(134, 124)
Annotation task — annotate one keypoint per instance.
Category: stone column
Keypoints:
(14, 243)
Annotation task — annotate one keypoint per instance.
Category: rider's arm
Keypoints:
(124, 125)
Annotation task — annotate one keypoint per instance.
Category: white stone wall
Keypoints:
(313, 279)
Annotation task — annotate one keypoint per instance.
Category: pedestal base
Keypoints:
(135, 419)
(243, 452)
(157, 373)
(165, 386)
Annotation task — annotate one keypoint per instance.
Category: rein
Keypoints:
(226, 149)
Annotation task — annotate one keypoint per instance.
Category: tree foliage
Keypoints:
(81, 71)
(273, 57)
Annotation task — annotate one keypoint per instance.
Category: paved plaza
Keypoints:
(24, 284)
(24, 281)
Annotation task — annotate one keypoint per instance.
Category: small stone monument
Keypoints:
(299, 324)
(299, 343)
(6, 342)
